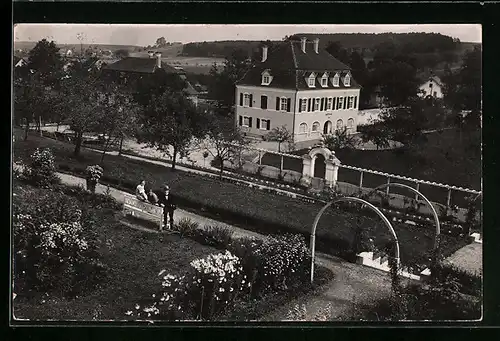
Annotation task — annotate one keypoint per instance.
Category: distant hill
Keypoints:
(415, 42)
(28, 45)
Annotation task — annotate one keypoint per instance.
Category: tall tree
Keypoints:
(223, 82)
(361, 75)
(156, 85)
(80, 105)
(45, 60)
(161, 42)
(397, 80)
(169, 123)
(279, 135)
(223, 140)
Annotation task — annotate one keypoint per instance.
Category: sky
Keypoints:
(144, 35)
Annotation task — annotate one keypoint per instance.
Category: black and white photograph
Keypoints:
(246, 172)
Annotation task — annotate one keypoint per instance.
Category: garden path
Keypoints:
(352, 283)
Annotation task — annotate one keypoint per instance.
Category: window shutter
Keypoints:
(251, 100)
(241, 121)
(300, 105)
(263, 102)
(322, 106)
(277, 103)
(355, 101)
(288, 104)
(250, 122)
(309, 105)
(258, 123)
(268, 124)
(333, 104)
(345, 102)
(241, 100)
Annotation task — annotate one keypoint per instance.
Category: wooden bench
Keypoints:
(139, 207)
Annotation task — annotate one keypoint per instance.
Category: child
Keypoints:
(140, 191)
(152, 197)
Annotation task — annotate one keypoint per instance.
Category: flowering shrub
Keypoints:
(216, 282)
(94, 173)
(52, 246)
(41, 170)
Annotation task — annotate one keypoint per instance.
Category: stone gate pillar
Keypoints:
(306, 170)
(332, 170)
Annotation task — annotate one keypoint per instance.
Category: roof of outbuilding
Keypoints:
(290, 66)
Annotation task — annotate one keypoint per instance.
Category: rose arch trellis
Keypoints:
(363, 202)
(427, 201)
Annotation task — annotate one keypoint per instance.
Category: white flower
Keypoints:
(137, 306)
(161, 272)
(128, 313)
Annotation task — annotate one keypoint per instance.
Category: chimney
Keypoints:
(158, 60)
(316, 45)
(303, 44)
(151, 54)
(264, 53)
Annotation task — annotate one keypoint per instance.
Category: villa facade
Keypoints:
(298, 86)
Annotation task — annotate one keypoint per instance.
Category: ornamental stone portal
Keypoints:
(331, 162)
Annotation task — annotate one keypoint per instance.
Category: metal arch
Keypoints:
(427, 201)
(358, 200)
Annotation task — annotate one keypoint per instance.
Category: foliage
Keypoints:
(122, 53)
(94, 173)
(170, 120)
(340, 139)
(471, 221)
(94, 200)
(462, 89)
(161, 42)
(41, 170)
(280, 135)
(186, 227)
(53, 244)
(299, 313)
(222, 140)
(215, 284)
(46, 61)
(218, 236)
(376, 133)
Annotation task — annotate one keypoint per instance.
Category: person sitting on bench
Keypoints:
(165, 200)
(152, 197)
(140, 191)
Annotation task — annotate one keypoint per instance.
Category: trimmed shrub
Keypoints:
(218, 236)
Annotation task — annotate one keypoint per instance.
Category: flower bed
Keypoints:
(249, 208)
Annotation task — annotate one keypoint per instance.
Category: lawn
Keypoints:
(444, 158)
(246, 207)
(134, 258)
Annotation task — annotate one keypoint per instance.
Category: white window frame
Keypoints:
(350, 119)
(266, 120)
(350, 102)
(329, 103)
(324, 81)
(340, 103)
(311, 79)
(316, 104)
(303, 105)
(347, 80)
(243, 121)
(246, 103)
(265, 75)
(317, 130)
(337, 124)
(336, 80)
(306, 128)
(283, 100)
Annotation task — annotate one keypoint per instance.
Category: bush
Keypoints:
(41, 170)
(467, 283)
(186, 227)
(94, 200)
(54, 245)
(216, 282)
(218, 236)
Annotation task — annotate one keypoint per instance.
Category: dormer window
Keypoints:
(347, 80)
(335, 80)
(266, 78)
(311, 81)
